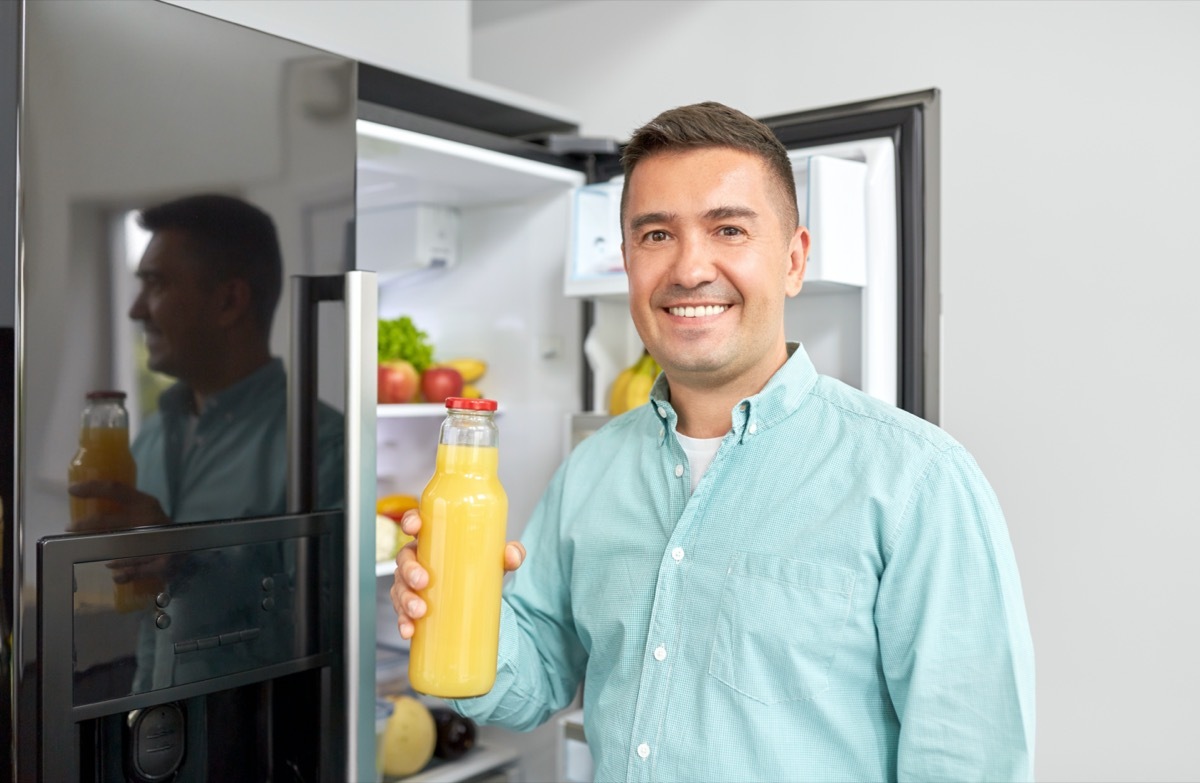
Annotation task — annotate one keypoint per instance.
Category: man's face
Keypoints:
(710, 264)
(177, 306)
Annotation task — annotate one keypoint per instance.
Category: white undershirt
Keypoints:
(700, 453)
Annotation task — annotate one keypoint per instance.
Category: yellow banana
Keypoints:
(471, 392)
(638, 391)
(616, 397)
(471, 370)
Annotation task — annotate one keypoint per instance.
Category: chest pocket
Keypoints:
(778, 626)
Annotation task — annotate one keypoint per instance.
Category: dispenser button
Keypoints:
(207, 643)
(268, 584)
(268, 604)
(184, 647)
(233, 637)
(249, 634)
(162, 599)
(163, 620)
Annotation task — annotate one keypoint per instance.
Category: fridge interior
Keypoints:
(494, 294)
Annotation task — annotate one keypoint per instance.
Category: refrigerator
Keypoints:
(108, 109)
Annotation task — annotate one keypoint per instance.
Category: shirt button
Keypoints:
(677, 553)
(743, 406)
(662, 432)
(660, 653)
(753, 428)
(643, 750)
(660, 410)
(678, 470)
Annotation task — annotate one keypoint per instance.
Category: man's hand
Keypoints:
(120, 507)
(410, 576)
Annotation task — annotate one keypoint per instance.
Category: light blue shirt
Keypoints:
(234, 464)
(836, 600)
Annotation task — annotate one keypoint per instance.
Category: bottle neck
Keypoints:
(469, 429)
(105, 415)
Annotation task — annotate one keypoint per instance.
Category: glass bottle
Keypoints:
(103, 453)
(464, 511)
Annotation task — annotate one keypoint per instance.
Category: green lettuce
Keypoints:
(400, 339)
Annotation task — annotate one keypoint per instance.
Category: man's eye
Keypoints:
(731, 231)
(656, 236)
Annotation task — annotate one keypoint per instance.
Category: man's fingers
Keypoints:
(408, 570)
(410, 522)
(102, 489)
(514, 555)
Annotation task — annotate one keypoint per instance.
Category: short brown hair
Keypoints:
(231, 238)
(712, 124)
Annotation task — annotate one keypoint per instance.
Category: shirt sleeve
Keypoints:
(953, 634)
(541, 659)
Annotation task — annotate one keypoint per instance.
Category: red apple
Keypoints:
(438, 383)
(397, 382)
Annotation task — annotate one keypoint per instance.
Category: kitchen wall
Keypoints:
(1069, 171)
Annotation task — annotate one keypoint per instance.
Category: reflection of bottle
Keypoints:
(103, 452)
(104, 455)
(461, 545)
(455, 734)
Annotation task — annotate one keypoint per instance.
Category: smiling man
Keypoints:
(763, 574)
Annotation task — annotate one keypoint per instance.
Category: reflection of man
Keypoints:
(763, 574)
(216, 449)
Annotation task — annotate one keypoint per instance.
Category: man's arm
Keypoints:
(953, 634)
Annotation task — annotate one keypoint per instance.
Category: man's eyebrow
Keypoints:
(646, 218)
(725, 213)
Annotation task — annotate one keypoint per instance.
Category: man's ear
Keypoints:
(797, 261)
(233, 300)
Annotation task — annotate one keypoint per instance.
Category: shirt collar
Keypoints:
(782, 395)
(177, 400)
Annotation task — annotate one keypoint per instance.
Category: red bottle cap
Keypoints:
(106, 395)
(465, 404)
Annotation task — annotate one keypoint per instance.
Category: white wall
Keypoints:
(425, 38)
(1070, 183)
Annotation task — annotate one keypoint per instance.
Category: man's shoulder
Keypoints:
(854, 408)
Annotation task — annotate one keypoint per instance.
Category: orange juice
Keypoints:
(463, 518)
(103, 455)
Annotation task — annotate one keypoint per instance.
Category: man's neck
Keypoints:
(236, 369)
(704, 409)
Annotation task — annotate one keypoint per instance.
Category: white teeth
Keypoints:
(697, 312)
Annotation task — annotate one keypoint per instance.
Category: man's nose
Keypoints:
(694, 263)
(137, 310)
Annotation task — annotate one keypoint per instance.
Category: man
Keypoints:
(216, 448)
(763, 574)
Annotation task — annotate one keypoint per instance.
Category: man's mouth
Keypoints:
(697, 311)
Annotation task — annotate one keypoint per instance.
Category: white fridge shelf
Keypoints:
(479, 761)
